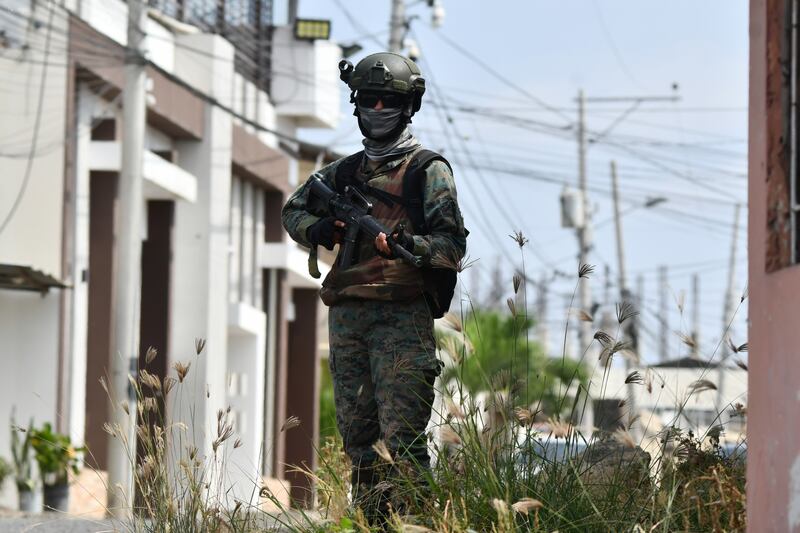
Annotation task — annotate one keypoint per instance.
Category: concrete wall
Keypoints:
(31, 203)
(200, 289)
(773, 475)
(37, 218)
(305, 80)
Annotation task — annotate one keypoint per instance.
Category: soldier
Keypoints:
(382, 349)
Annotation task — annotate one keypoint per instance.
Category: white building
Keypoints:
(686, 393)
(216, 263)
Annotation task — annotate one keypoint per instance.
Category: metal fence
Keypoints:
(247, 24)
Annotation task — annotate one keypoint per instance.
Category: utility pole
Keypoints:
(624, 294)
(727, 310)
(397, 26)
(127, 283)
(696, 315)
(636, 325)
(292, 11)
(584, 229)
(541, 314)
(663, 289)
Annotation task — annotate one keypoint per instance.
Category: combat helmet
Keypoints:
(384, 72)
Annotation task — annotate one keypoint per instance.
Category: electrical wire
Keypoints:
(35, 134)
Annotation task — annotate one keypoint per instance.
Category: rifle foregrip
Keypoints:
(408, 256)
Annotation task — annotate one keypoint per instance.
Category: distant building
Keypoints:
(773, 461)
(216, 263)
(671, 394)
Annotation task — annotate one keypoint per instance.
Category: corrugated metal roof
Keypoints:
(25, 278)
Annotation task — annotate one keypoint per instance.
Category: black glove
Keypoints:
(403, 238)
(324, 232)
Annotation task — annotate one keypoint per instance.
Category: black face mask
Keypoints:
(380, 125)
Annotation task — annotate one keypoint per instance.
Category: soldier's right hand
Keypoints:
(326, 231)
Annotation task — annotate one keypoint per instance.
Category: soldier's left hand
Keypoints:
(404, 239)
(382, 245)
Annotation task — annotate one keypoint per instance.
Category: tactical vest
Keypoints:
(397, 197)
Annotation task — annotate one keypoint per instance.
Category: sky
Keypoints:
(503, 77)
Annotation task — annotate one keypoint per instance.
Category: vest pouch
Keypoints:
(440, 285)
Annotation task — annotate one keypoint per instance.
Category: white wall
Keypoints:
(200, 257)
(305, 79)
(28, 352)
(246, 349)
(29, 322)
(38, 217)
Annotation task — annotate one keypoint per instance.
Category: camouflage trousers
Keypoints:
(383, 364)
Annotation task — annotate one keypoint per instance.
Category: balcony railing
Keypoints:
(247, 24)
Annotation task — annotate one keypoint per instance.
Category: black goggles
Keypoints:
(370, 100)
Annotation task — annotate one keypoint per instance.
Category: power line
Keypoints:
(613, 45)
(469, 55)
(36, 124)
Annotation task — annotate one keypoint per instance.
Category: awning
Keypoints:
(25, 278)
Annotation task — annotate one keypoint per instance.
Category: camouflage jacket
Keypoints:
(374, 277)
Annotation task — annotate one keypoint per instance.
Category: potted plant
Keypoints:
(23, 467)
(56, 456)
(5, 471)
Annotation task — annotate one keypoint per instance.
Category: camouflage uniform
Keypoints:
(382, 349)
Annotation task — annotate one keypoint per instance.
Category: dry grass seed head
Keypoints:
(290, 423)
(524, 416)
(603, 338)
(149, 380)
(450, 262)
(512, 306)
(199, 345)
(585, 270)
(625, 310)
(149, 404)
(448, 435)
(169, 383)
(606, 355)
(454, 409)
(741, 364)
(739, 410)
(519, 238)
(452, 321)
(701, 385)
(527, 504)
(559, 428)
(737, 349)
(449, 344)
(182, 369)
(500, 506)
(516, 281)
(383, 451)
(688, 340)
(583, 316)
(624, 437)
(634, 377)
(150, 355)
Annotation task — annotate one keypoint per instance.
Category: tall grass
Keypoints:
(509, 451)
(498, 468)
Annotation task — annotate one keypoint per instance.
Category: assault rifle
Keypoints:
(353, 208)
